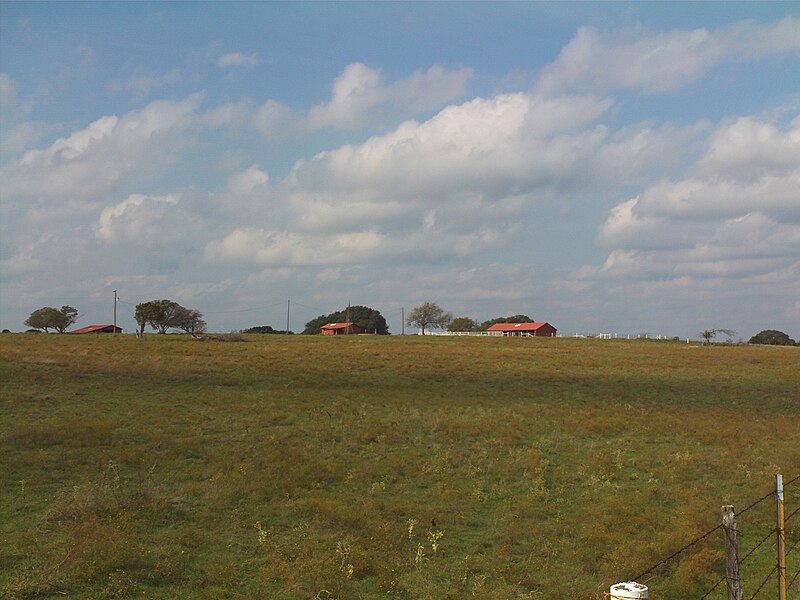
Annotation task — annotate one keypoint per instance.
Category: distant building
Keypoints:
(340, 329)
(524, 329)
(98, 329)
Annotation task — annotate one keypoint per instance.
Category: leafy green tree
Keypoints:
(513, 319)
(429, 315)
(462, 324)
(159, 314)
(266, 329)
(368, 319)
(189, 320)
(772, 337)
(47, 318)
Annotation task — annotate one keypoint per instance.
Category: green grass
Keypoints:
(292, 467)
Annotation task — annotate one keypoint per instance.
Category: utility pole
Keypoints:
(781, 539)
(116, 299)
(403, 322)
(347, 320)
(288, 309)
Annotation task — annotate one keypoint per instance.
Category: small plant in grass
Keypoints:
(434, 536)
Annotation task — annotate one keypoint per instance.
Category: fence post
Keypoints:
(731, 553)
(781, 538)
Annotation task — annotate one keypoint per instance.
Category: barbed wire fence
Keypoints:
(788, 582)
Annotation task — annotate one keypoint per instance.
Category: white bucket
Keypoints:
(628, 590)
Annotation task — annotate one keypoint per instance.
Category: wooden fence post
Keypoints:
(731, 553)
(781, 538)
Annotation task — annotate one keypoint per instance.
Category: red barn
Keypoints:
(98, 329)
(340, 329)
(525, 329)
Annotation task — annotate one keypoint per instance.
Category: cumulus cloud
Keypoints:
(451, 186)
(230, 114)
(8, 92)
(728, 232)
(24, 136)
(91, 162)
(247, 181)
(361, 88)
(236, 59)
(142, 220)
(662, 61)
(141, 82)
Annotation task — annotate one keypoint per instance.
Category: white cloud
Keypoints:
(273, 118)
(237, 59)
(230, 113)
(727, 234)
(24, 136)
(452, 186)
(8, 91)
(662, 61)
(282, 248)
(247, 181)
(141, 220)
(91, 162)
(360, 88)
(142, 82)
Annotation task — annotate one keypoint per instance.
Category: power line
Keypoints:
(242, 310)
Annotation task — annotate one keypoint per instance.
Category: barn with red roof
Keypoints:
(340, 329)
(524, 329)
(98, 329)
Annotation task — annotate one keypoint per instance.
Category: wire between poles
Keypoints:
(788, 587)
(674, 554)
(763, 583)
(794, 546)
(756, 547)
(791, 514)
(716, 585)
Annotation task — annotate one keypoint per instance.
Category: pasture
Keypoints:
(296, 467)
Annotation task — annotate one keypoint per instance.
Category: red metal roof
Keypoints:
(95, 328)
(336, 326)
(517, 326)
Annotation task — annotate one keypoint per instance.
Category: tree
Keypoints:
(161, 315)
(462, 324)
(52, 318)
(513, 319)
(429, 315)
(708, 334)
(771, 337)
(368, 319)
(189, 320)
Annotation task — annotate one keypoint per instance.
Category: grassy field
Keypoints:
(379, 467)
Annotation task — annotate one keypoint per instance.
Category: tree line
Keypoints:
(163, 315)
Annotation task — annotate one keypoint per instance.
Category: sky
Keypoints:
(606, 167)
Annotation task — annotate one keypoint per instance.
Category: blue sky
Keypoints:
(606, 167)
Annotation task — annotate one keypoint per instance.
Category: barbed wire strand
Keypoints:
(794, 546)
(791, 481)
(763, 583)
(716, 585)
(674, 554)
(710, 531)
(758, 545)
(789, 586)
(756, 503)
(791, 514)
